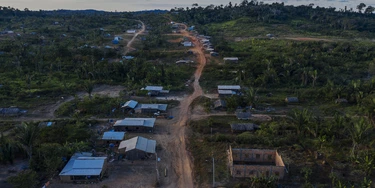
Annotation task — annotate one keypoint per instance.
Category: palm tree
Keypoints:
(88, 87)
(314, 76)
(301, 119)
(7, 149)
(360, 7)
(26, 135)
(358, 133)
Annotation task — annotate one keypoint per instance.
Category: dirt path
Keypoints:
(129, 45)
(180, 157)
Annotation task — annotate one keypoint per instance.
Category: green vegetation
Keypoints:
(316, 54)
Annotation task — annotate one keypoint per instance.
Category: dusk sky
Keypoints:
(134, 5)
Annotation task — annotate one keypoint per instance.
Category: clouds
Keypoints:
(133, 5)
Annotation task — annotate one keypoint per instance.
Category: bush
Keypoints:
(25, 179)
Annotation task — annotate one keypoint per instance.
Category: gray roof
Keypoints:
(161, 107)
(139, 143)
(244, 126)
(130, 104)
(230, 58)
(113, 135)
(228, 87)
(146, 122)
(10, 110)
(82, 164)
(154, 88)
(226, 92)
(291, 99)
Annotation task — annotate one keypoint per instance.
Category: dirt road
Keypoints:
(129, 45)
(180, 157)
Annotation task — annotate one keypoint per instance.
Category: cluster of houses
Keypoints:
(86, 167)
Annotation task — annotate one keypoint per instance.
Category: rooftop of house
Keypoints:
(110, 135)
(154, 88)
(230, 58)
(226, 92)
(139, 143)
(244, 126)
(82, 164)
(130, 104)
(228, 87)
(145, 122)
(161, 107)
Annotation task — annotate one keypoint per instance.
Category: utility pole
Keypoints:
(213, 171)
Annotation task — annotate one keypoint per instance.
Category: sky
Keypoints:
(135, 5)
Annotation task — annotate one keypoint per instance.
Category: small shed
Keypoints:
(220, 104)
(131, 31)
(12, 111)
(130, 104)
(137, 148)
(291, 100)
(341, 101)
(127, 57)
(187, 44)
(242, 127)
(230, 59)
(112, 137)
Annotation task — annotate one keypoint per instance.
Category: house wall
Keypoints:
(107, 142)
(72, 179)
(254, 155)
(243, 171)
(134, 129)
(135, 154)
(250, 155)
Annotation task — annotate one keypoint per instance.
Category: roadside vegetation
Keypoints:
(322, 56)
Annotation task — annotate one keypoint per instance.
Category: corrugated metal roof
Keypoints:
(244, 126)
(230, 58)
(226, 92)
(88, 163)
(161, 107)
(82, 164)
(130, 104)
(147, 122)
(154, 88)
(83, 172)
(139, 143)
(113, 135)
(228, 87)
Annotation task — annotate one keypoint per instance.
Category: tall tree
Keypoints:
(27, 135)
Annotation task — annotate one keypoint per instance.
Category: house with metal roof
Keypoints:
(155, 90)
(291, 100)
(230, 59)
(228, 90)
(135, 125)
(112, 137)
(137, 148)
(82, 167)
(242, 127)
(130, 104)
(12, 111)
(150, 108)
